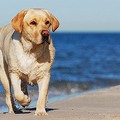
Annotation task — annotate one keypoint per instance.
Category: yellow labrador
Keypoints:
(26, 56)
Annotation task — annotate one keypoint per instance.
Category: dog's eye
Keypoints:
(47, 22)
(33, 23)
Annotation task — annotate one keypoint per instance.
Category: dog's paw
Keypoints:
(41, 113)
(26, 101)
(11, 112)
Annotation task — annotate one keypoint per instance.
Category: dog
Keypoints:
(26, 56)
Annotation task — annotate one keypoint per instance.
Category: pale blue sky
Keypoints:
(74, 15)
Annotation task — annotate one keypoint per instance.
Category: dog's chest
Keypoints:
(28, 64)
(25, 62)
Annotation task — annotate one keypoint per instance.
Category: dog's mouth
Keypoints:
(45, 36)
(45, 39)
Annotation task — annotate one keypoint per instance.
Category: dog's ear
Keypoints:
(55, 23)
(17, 21)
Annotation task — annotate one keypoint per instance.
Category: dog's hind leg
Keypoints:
(24, 87)
(6, 84)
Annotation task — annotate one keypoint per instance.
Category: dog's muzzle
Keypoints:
(45, 36)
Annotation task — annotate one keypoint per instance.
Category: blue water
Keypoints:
(84, 61)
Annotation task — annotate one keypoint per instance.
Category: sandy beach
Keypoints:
(99, 105)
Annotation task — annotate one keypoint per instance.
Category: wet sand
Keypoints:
(99, 105)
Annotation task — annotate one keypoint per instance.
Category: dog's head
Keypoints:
(34, 24)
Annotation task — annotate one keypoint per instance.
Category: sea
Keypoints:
(83, 62)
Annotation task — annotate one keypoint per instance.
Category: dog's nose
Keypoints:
(45, 33)
(45, 36)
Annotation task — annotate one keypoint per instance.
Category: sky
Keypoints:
(73, 15)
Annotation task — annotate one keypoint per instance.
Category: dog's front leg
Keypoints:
(6, 85)
(23, 99)
(43, 91)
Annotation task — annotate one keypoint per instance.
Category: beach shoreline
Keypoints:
(97, 105)
(34, 96)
